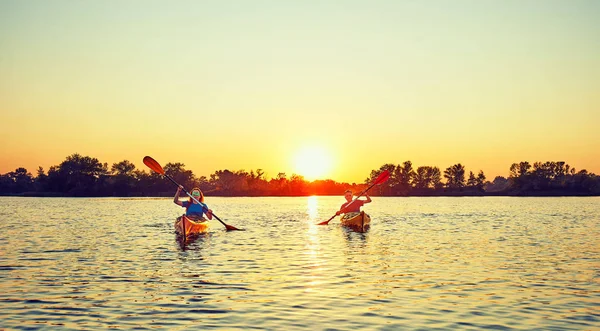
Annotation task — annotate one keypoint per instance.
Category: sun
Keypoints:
(312, 162)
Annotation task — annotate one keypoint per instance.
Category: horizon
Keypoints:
(268, 85)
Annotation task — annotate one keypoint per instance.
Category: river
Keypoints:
(438, 263)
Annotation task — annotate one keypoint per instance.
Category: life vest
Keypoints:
(190, 204)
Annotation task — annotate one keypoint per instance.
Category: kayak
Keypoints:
(187, 227)
(357, 221)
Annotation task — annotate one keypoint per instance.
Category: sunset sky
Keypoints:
(258, 84)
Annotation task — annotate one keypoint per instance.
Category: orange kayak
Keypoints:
(357, 221)
(187, 227)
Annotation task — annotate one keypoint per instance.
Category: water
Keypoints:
(426, 263)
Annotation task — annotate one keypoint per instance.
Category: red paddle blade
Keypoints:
(152, 164)
(383, 177)
(327, 222)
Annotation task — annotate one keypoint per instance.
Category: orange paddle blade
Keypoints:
(232, 228)
(152, 164)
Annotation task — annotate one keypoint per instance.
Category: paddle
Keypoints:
(155, 166)
(384, 176)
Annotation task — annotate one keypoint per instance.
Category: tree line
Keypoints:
(80, 176)
(538, 179)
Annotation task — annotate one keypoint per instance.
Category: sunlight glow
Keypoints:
(366, 93)
(312, 162)
(312, 207)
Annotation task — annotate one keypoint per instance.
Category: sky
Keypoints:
(259, 84)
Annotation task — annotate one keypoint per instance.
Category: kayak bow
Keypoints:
(187, 227)
(359, 222)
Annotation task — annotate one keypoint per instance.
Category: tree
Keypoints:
(40, 180)
(480, 180)
(297, 185)
(519, 173)
(427, 177)
(123, 178)
(436, 178)
(404, 176)
(472, 181)
(77, 175)
(455, 176)
(257, 185)
(23, 180)
(17, 181)
(520, 169)
(422, 178)
(123, 168)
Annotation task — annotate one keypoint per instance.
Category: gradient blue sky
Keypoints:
(249, 84)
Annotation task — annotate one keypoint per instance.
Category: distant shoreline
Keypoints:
(84, 176)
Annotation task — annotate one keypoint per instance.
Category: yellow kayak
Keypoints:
(357, 221)
(187, 227)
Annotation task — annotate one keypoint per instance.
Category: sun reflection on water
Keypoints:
(312, 207)
(313, 246)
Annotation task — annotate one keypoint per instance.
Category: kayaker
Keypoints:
(193, 209)
(353, 207)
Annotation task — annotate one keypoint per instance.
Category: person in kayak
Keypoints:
(352, 207)
(193, 210)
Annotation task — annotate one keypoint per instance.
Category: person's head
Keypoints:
(196, 193)
(348, 195)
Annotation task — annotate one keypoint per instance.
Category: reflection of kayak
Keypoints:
(187, 227)
(356, 221)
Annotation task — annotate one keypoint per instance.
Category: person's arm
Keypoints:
(341, 211)
(176, 198)
(209, 214)
(368, 198)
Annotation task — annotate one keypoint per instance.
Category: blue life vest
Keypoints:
(192, 208)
